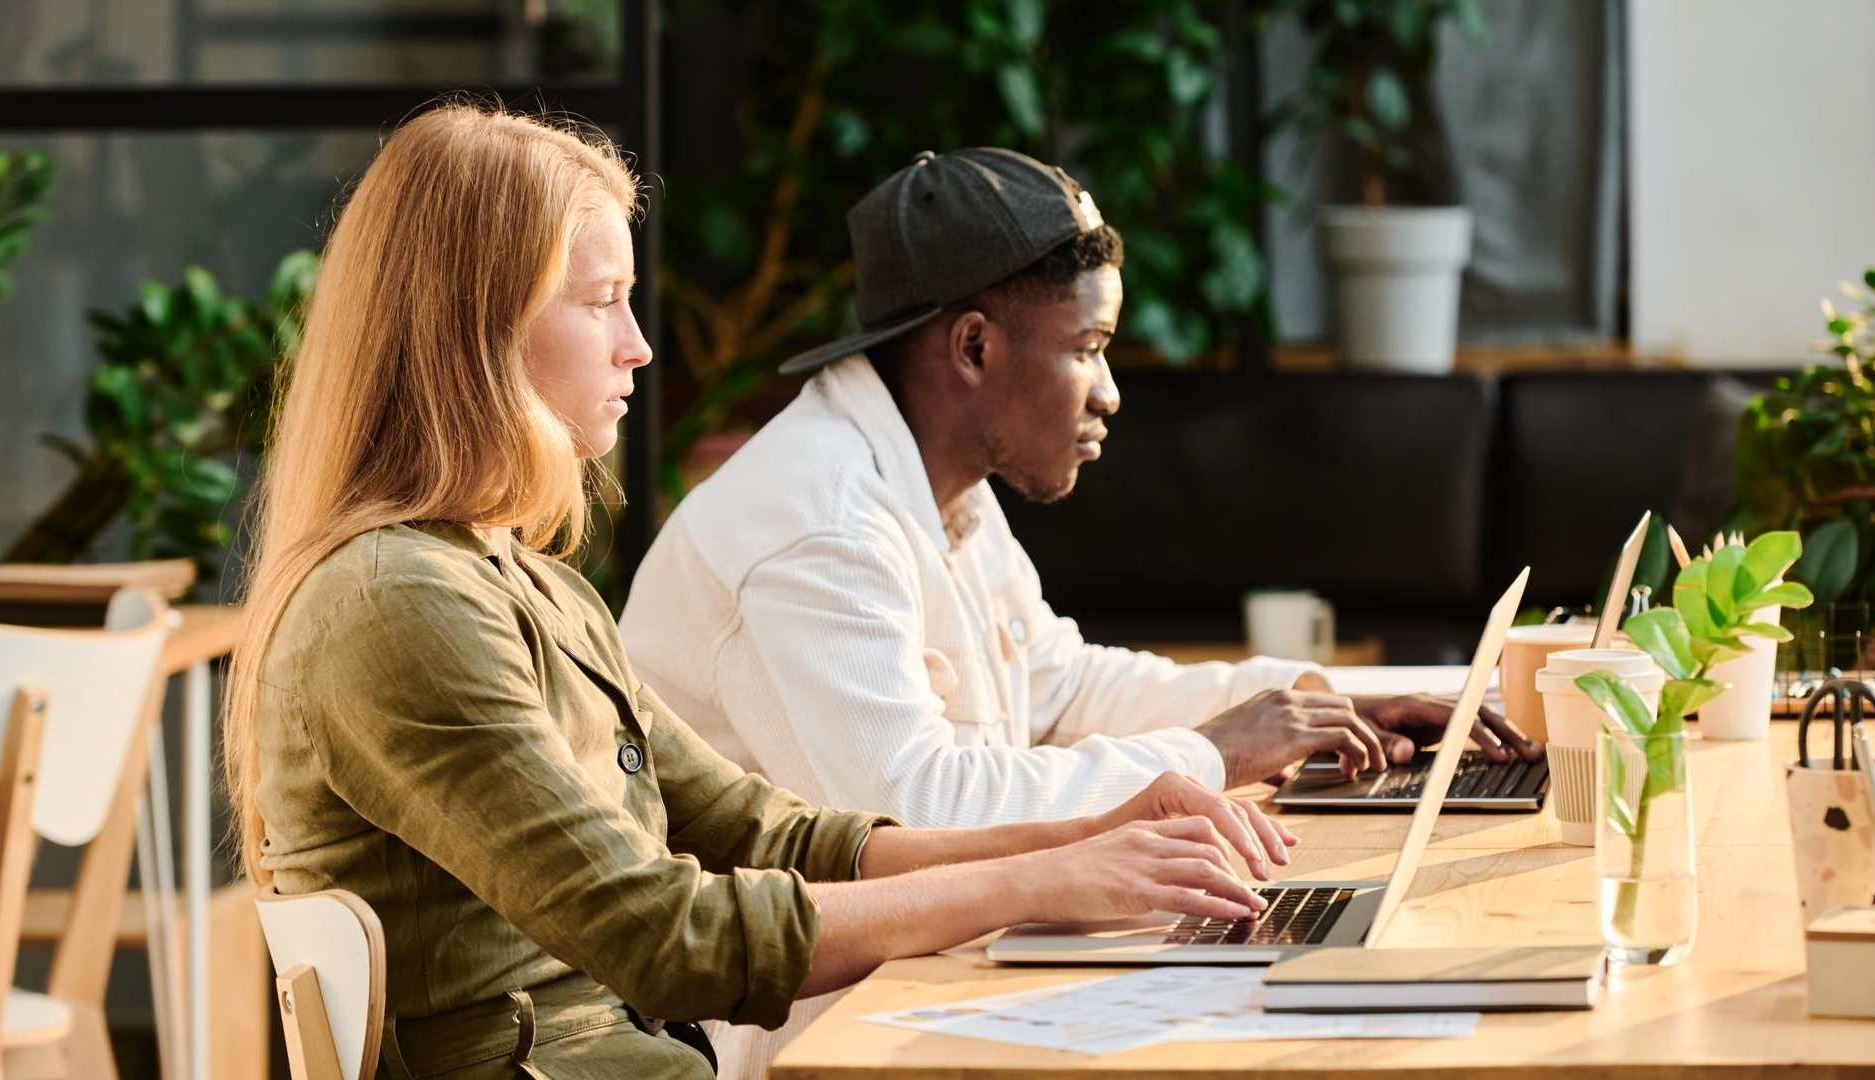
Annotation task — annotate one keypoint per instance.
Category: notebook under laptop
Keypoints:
(1302, 914)
(1481, 784)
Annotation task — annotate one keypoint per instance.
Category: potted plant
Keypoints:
(184, 387)
(1644, 843)
(1805, 460)
(1396, 255)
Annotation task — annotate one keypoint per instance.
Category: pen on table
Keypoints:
(1679, 547)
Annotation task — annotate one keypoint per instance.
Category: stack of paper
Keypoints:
(1158, 1005)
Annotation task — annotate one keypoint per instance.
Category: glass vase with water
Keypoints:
(1644, 848)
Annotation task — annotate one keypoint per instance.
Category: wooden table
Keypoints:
(1736, 1007)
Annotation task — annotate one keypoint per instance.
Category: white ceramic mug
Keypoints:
(1289, 624)
(1574, 721)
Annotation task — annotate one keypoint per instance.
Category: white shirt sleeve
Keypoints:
(1078, 690)
(829, 670)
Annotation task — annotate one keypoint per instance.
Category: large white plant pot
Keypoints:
(1396, 283)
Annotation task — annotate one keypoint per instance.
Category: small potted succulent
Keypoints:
(1644, 841)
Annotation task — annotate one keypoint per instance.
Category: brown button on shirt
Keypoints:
(441, 732)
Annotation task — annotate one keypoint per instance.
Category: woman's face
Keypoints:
(581, 349)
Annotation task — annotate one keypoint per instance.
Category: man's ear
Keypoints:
(966, 345)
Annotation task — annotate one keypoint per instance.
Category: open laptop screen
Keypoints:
(1608, 620)
(1445, 762)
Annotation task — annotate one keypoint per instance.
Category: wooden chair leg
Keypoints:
(310, 1052)
(19, 779)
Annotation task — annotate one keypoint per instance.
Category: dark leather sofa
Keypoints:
(1409, 502)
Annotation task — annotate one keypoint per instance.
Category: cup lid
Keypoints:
(1615, 661)
(1633, 666)
(1553, 633)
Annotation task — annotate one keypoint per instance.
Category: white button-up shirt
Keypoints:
(811, 614)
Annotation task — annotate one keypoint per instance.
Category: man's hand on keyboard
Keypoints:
(1267, 737)
(1408, 722)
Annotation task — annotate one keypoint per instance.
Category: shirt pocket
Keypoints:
(959, 680)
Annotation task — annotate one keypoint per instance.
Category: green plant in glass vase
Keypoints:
(1714, 598)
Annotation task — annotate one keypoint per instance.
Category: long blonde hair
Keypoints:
(408, 399)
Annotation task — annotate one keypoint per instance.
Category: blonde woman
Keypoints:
(431, 711)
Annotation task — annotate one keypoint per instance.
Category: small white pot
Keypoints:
(1743, 711)
(1396, 274)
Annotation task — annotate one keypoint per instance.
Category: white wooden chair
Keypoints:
(92, 692)
(328, 962)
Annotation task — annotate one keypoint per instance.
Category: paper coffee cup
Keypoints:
(1526, 650)
(1573, 722)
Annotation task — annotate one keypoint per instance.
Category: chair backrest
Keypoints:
(97, 685)
(328, 962)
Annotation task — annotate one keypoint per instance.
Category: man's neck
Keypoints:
(954, 460)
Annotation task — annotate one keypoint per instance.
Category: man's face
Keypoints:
(1052, 395)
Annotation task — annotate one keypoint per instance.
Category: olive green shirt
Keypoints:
(447, 732)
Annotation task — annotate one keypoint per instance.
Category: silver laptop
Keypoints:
(1303, 914)
(1481, 784)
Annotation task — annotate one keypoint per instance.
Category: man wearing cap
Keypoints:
(842, 605)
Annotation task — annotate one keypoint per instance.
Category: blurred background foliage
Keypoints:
(1806, 455)
(1368, 92)
(25, 184)
(182, 391)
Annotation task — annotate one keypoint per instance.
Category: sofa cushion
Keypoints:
(1584, 453)
(1369, 489)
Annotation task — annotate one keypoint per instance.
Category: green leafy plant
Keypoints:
(1369, 88)
(26, 180)
(184, 385)
(1805, 456)
(1714, 598)
(842, 93)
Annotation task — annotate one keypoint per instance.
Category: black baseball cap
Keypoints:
(945, 227)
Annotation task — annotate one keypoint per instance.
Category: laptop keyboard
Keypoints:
(1477, 778)
(1299, 916)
